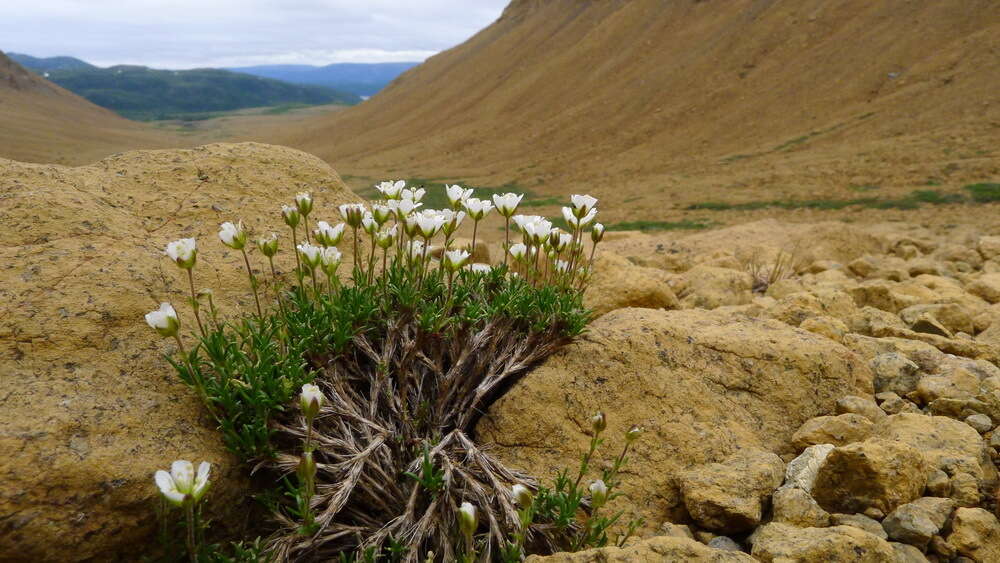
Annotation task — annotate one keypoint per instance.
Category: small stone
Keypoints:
(894, 372)
(898, 405)
(965, 490)
(940, 546)
(980, 422)
(785, 543)
(907, 553)
(938, 484)
(725, 543)
(975, 533)
(675, 530)
(917, 522)
(859, 521)
(995, 440)
(852, 404)
(837, 430)
(874, 513)
(876, 473)
(801, 471)
(729, 497)
(704, 536)
(794, 506)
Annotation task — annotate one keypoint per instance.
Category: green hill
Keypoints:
(143, 93)
(47, 64)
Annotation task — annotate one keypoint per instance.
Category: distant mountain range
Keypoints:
(363, 79)
(143, 93)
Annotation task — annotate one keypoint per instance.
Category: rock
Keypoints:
(907, 553)
(725, 543)
(860, 405)
(837, 430)
(917, 522)
(894, 372)
(987, 287)
(794, 506)
(951, 316)
(958, 253)
(781, 542)
(938, 484)
(617, 284)
(941, 547)
(975, 533)
(832, 328)
(928, 324)
(871, 321)
(959, 384)
(96, 410)
(480, 254)
(890, 296)
(729, 497)
(897, 405)
(708, 287)
(859, 521)
(980, 422)
(703, 384)
(965, 489)
(988, 247)
(801, 471)
(676, 530)
(657, 548)
(945, 443)
(875, 473)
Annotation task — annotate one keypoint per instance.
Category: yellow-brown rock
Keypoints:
(91, 409)
(617, 284)
(782, 542)
(703, 384)
(658, 548)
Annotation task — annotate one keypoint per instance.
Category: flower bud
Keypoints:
(597, 234)
(268, 245)
(232, 235)
(304, 203)
(291, 215)
(598, 494)
(184, 252)
(467, 520)
(633, 434)
(310, 400)
(522, 495)
(310, 255)
(598, 422)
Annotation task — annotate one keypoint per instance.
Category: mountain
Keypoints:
(668, 104)
(46, 64)
(45, 123)
(143, 93)
(363, 79)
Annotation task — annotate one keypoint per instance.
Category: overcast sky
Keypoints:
(178, 34)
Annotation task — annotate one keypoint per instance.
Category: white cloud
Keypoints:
(200, 33)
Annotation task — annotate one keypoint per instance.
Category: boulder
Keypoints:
(959, 384)
(708, 287)
(946, 444)
(658, 548)
(794, 506)
(987, 286)
(860, 405)
(876, 473)
(782, 542)
(917, 522)
(837, 430)
(617, 284)
(975, 533)
(704, 384)
(91, 407)
(730, 497)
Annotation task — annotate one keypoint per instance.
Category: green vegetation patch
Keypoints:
(985, 192)
(911, 201)
(646, 226)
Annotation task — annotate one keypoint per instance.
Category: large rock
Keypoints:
(703, 383)
(801, 471)
(945, 443)
(90, 408)
(782, 542)
(658, 548)
(708, 287)
(617, 284)
(794, 506)
(975, 533)
(730, 497)
(876, 473)
(916, 522)
(838, 430)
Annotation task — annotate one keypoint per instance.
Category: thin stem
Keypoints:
(305, 227)
(355, 247)
(295, 251)
(253, 283)
(475, 227)
(371, 262)
(506, 239)
(194, 302)
(191, 544)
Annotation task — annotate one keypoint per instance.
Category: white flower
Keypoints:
(304, 202)
(456, 194)
(477, 208)
(429, 222)
(480, 268)
(403, 207)
(164, 320)
(576, 221)
(597, 233)
(598, 493)
(182, 483)
(518, 250)
(455, 259)
(268, 245)
(391, 190)
(233, 235)
(507, 203)
(310, 400)
(521, 495)
(310, 254)
(633, 434)
(369, 224)
(327, 235)
(381, 213)
(353, 213)
(184, 252)
(416, 249)
(562, 266)
(291, 215)
(412, 194)
(330, 258)
(560, 240)
(598, 422)
(386, 237)
(538, 230)
(582, 204)
(452, 220)
(467, 518)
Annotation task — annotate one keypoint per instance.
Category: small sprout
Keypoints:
(232, 235)
(291, 215)
(164, 320)
(598, 494)
(598, 422)
(184, 252)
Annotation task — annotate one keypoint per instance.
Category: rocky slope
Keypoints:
(668, 104)
(90, 409)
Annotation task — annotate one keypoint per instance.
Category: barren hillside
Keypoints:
(671, 103)
(41, 122)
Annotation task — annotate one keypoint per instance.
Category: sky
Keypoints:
(179, 34)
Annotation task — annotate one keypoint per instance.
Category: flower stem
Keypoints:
(506, 238)
(194, 302)
(295, 251)
(253, 283)
(191, 544)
